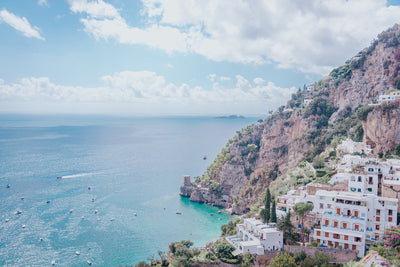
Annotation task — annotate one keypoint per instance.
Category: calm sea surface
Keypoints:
(133, 167)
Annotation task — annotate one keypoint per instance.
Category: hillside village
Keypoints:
(335, 145)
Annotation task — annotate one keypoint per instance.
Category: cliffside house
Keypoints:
(307, 101)
(256, 237)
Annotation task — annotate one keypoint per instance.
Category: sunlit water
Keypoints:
(134, 168)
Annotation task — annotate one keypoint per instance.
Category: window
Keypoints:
(359, 190)
(344, 225)
(378, 219)
(353, 178)
(359, 179)
(356, 213)
(353, 189)
(321, 206)
(326, 222)
(390, 212)
(390, 219)
(326, 234)
(335, 224)
(378, 212)
(353, 247)
(370, 180)
(356, 227)
(318, 241)
(357, 239)
(346, 237)
(369, 189)
(337, 211)
(318, 233)
(336, 244)
(329, 243)
(377, 237)
(377, 227)
(346, 246)
(336, 236)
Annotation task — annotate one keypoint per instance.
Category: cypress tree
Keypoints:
(267, 204)
(273, 212)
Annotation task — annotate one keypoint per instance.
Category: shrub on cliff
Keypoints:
(362, 112)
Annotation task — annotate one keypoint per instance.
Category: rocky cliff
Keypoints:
(301, 131)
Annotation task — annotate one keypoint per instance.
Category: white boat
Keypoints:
(77, 253)
(53, 262)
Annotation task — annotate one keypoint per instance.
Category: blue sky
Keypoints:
(175, 57)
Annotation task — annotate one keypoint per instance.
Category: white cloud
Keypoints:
(20, 24)
(43, 3)
(223, 78)
(141, 92)
(311, 36)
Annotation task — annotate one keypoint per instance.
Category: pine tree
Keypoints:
(273, 212)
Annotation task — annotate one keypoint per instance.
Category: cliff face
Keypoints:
(382, 127)
(259, 153)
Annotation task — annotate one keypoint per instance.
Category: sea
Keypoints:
(118, 198)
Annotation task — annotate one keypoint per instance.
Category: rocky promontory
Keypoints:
(346, 104)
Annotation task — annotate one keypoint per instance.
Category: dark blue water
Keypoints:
(133, 166)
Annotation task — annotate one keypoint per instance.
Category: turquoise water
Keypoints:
(133, 166)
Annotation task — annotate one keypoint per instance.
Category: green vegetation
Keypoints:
(302, 209)
(389, 248)
(286, 226)
(230, 228)
(283, 260)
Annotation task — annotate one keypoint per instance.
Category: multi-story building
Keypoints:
(350, 219)
(256, 237)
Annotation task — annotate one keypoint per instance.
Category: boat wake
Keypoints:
(78, 175)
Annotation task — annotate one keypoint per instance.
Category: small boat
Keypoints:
(23, 226)
(219, 218)
(204, 157)
(89, 188)
(22, 198)
(8, 186)
(178, 212)
(7, 219)
(219, 211)
(71, 210)
(18, 212)
(48, 201)
(95, 211)
(59, 177)
(77, 253)
(212, 214)
(135, 214)
(53, 262)
(112, 219)
(89, 262)
(83, 217)
(92, 199)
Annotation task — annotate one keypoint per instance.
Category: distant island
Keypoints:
(231, 117)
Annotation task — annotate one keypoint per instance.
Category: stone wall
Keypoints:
(337, 255)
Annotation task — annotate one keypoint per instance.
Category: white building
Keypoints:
(349, 146)
(307, 101)
(255, 237)
(350, 219)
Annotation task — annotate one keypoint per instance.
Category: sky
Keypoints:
(175, 57)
